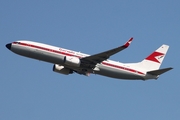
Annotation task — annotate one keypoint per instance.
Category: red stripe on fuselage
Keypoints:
(68, 54)
(123, 68)
(46, 49)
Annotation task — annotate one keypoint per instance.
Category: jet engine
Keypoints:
(61, 69)
(72, 61)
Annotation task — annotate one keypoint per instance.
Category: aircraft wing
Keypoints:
(91, 61)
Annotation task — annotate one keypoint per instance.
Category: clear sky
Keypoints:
(30, 90)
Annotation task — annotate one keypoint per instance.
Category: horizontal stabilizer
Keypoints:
(160, 71)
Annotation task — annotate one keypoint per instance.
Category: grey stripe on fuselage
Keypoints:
(116, 73)
(38, 54)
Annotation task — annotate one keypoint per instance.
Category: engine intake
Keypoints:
(61, 69)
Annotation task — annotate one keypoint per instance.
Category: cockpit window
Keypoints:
(16, 42)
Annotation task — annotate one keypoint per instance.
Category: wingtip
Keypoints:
(171, 68)
(128, 42)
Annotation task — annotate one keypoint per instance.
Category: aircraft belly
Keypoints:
(116, 73)
(38, 54)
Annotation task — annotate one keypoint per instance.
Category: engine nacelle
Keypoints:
(72, 61)
(61, 69)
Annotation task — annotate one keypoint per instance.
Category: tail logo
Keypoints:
(155, 57)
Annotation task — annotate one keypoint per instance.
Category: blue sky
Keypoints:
(30, 90)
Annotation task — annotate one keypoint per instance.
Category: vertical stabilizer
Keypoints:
(154, 60)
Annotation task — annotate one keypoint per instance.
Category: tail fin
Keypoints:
(154, 60)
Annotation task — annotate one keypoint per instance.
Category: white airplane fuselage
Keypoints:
(56, 55)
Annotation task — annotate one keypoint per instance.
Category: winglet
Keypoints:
(128, 42)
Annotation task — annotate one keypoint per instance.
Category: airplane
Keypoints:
(68, 61)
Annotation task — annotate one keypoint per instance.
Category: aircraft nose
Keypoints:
(8, 46)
